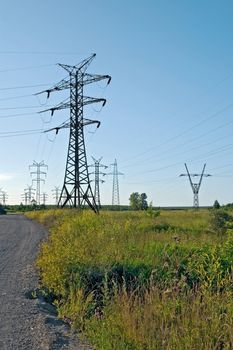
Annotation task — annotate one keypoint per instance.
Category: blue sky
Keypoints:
(170, 100)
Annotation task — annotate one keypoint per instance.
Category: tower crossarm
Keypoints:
(67, 125)
(82, 66)
(64, 105)
(90, 121)
(62, 85)
(89, 100)
(79, 68)
(93, 78)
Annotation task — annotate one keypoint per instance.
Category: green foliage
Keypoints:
(216, 205)
(151, 212)
(219, 221)
(143, 201)
(138, 201)
(162, 320)
(2, 210)
(134, 201)
(130, 280)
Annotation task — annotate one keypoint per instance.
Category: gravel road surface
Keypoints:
(26, 324)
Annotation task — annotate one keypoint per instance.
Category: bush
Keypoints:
(216, 205)
(219, 221)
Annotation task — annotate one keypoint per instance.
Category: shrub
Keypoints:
(219, 221)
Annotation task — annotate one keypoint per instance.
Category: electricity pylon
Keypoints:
(25, 198)
(195, 186)
(44, 198)
(3, 197)
(97, 174)
(38, 178)
(76, 190)
(56, 194)
(115, 184)
(29, 192)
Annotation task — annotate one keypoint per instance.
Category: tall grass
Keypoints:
(132, 281)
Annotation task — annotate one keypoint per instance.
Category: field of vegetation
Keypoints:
(139, 280)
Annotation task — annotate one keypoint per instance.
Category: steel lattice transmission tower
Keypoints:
(56, 194)
(3, 197)
(97, 180)
(38, 178)
(29, 192)
(115, 184)
(195, 186)
(76, 190)
(44, 197)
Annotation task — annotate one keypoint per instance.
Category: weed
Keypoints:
(130, 280)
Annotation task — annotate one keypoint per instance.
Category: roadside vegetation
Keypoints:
(141, 280)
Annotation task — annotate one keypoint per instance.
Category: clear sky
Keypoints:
(170, 100)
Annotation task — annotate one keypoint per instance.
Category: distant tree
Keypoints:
(134, 201)
(138, 201)
(143, 201)
(216, 205)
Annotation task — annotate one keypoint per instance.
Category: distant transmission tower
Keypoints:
(29, 192)
(3, 197)
(97, 174)
(44, 198)
(195, 186)
(25, 198)
(76, 190)
(38, 178)
(56, 194)
(115, 184)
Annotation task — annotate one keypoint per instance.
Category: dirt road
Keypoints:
(25, 324)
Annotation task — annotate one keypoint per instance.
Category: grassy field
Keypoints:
(134, 280)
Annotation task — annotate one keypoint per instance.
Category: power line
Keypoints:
(183, 133)
(15, 97)
(42, 53)
(24, 87)
(185, 143)
(25, 68)
(16, 135)
(20, 107)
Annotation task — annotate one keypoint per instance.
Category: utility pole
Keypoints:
(115, 184)
(76, 190)
(97, 180)
(56, 194)
(38, 178)
(195, 186)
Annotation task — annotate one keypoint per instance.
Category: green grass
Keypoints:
(128, 280)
